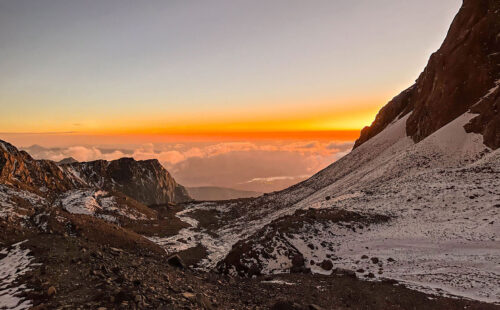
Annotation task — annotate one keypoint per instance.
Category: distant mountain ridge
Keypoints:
(67, 160)
(146, 181)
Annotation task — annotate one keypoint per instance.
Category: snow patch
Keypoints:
(97, 203)
(80, 202)
(15, 264)
(16, 203)
(490, 92)
(278, 282)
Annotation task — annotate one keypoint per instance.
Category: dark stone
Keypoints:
(370, 275)
(344, 272)
(298, 264)
(203, 301)
(176, 261)
(326, 264)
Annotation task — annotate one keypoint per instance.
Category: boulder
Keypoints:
(176, 261)
(326, 264)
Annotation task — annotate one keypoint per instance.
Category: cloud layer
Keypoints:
(253, 166)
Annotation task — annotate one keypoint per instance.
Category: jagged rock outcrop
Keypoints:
(463, 74)
(145, 181)
(44, 177)
(487, 122)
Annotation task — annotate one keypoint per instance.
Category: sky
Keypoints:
(127, 75)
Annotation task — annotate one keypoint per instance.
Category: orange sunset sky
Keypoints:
(103, 79)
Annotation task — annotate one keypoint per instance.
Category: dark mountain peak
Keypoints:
(67, 160)
(154, 162)
(132, 161)
(125, 160)
(463, 73)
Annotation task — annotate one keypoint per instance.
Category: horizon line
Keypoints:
(341, 134)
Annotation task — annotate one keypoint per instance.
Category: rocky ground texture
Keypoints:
(76, 269)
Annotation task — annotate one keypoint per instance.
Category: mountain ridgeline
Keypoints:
(464, 74)
(146, 181)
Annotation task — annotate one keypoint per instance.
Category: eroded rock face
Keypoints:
(145, 181)
(19, 169)
(487, 122)
(464, 71)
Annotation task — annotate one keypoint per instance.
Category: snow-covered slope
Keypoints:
(442, 196)
(98, 203)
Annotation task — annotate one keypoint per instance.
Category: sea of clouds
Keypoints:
(256, 166)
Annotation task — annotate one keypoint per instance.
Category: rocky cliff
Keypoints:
(145, 181)
(464, 74)
(19, 169)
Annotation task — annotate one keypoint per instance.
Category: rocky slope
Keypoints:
(439, 199)
(81, 247)
(463, 74)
